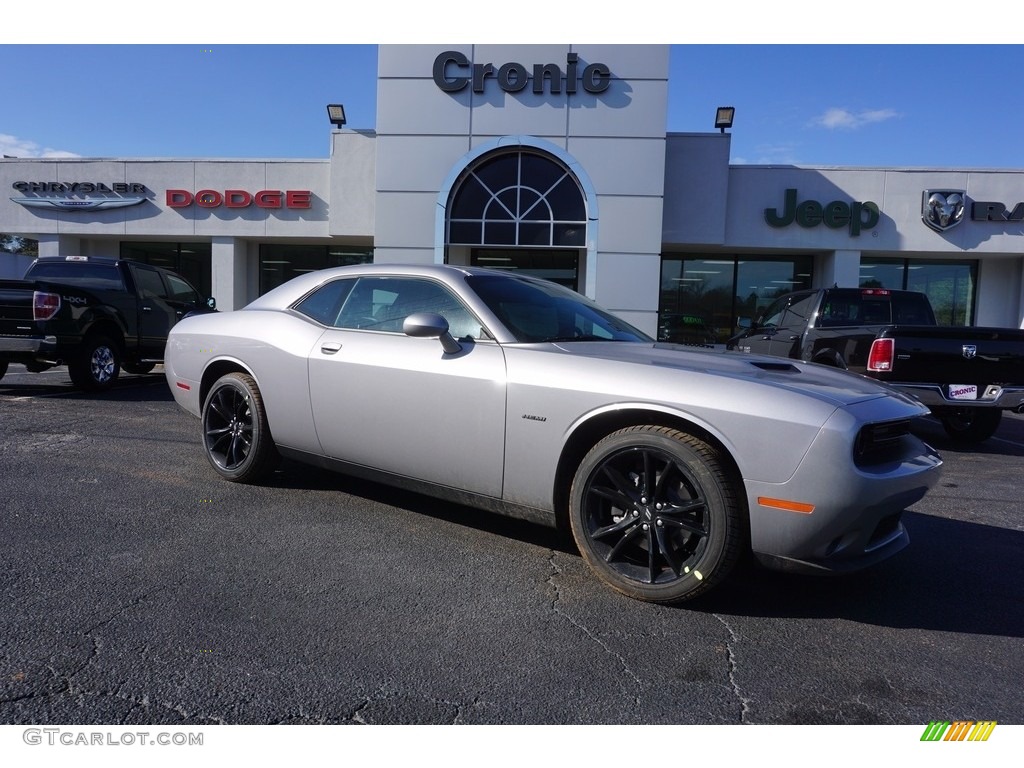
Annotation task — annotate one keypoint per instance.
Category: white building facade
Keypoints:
(550, 159)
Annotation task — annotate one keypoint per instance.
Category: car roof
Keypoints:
(289, 292)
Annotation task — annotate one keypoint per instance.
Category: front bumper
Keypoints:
(857, 505)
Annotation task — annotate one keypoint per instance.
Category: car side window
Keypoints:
(182, 291)
(324, 304)
(799, 310)
(383, 303)
(837, 312)
(773, 315)
(149, 283)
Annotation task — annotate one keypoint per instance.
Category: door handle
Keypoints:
(330, 347)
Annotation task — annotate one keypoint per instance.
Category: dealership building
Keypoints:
(552, 160)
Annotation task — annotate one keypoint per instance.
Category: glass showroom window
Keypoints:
(722, 293)
(950, 285)
(560, 267)
(190, 260)
(279, 263)
(520, 210)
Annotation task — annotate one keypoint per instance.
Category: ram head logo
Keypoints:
(943, 209)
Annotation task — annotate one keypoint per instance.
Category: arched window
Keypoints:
(519, 198)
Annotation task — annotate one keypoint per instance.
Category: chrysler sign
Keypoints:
(78, 195)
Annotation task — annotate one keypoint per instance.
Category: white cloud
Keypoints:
(769, 154)
(838, 117)
(15, 147)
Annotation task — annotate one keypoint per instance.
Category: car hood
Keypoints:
(830, 384)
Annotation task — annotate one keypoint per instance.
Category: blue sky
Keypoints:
(914, 105)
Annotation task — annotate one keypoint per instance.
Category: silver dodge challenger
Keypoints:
(519, 396)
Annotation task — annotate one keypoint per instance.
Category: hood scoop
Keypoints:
(766, 365)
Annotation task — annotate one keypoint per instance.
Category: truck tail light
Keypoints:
(881, 355)
(44, 305)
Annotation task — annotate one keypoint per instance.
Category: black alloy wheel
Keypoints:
(236, 435)
(656, 515)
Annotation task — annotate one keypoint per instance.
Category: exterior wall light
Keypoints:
(723, 118)
(336, 114)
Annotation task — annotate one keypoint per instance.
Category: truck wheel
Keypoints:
(97, 364)
(971, 425)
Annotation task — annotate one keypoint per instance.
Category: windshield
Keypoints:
(537, 310)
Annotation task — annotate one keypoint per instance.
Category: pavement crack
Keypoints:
(733, 668)
(555, 571)
(128, 606)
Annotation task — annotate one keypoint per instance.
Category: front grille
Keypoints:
(880, 442)
(887, 527)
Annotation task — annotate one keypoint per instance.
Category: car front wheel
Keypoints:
(236, 435)
(656, 514)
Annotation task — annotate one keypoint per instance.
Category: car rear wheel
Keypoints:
(656, 514)
(236, 435)
(971, 425)
(97, 365)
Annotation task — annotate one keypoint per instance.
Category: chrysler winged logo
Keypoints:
(970, 350)
(67, 204)
(943, 209)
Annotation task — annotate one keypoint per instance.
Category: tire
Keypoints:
(97, 365)
(656, 515)
(236, 435)
(971, 425)
(139, 367)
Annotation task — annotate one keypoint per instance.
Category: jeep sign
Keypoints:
(810, 213)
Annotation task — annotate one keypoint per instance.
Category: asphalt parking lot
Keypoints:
(138, 587)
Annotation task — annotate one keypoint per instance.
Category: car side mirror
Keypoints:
(211, 303)
(430, 325)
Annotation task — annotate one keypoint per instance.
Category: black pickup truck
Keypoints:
(967, 376)
(94, 315)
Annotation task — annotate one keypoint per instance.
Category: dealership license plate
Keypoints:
(963, 392)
